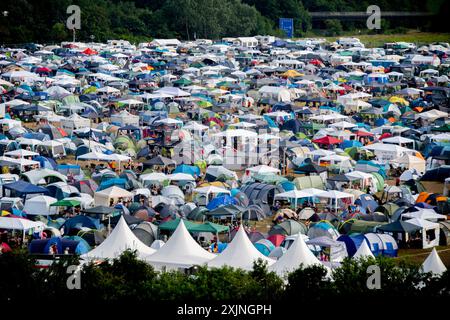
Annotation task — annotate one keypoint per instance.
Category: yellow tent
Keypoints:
(292, 74)
(399, 100)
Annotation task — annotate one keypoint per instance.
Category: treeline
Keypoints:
(44, 21)
(129, 279)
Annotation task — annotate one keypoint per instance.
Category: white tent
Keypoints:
(298, 254)
(74, 122)
(411, 162)
(430, 232)
(240, 253)
(426, 214)
(336, 195)
(180, 251)
(19, 224)
(180, 177)
(276, 93)
(363, 251)
(173, 91)
(103, 198)
(120, 240)
(124, 118)
(434, 264)
(40, 205)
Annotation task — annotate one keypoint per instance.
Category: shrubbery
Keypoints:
(129, 279)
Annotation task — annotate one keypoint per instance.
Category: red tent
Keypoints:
(327, 140)
(89, 51)
(276, 239)
(364, 134)
(385, 135)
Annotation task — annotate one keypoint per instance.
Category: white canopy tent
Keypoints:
(120, 240)
(434, 264)
(180, 252)
(240, 253)
(430, 232)
(40, 205)
(103, 198)
(297, 254)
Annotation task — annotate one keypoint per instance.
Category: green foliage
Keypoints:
(333, 28)
(128, 279)
(141, 20)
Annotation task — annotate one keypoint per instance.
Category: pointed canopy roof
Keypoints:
(240, 253)
(120, 240)
(434, 264)
(363, 251)
(180, 251)
(298, 254)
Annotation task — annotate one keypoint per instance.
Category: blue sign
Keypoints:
(287, 25)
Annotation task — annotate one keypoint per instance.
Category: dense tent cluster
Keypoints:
(221, 154)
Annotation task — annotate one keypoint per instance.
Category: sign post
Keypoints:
(287, 25)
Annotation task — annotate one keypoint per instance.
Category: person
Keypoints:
(277, 206)
(53, 250)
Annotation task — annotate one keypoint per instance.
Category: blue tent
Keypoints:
(352, 242)
(380, 122)
(79, 222)
(221, 201)
(184, 168)
(21, 188)
(46, 163)
(366, 201)
(220, 247)
(350, 143)
(119, 182)
(264, 246)
(76, 245)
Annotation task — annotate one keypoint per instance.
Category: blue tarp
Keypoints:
(184, 168)
(118, 182)
(221, 201)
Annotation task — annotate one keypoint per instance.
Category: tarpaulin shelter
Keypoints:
(22, 189)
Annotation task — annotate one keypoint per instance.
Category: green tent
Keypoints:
(444, 128)
(66, 203)
(211, 227)
(182, 82)
(379, 181)
(193, 227)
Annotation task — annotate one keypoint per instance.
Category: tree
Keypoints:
(59, 32)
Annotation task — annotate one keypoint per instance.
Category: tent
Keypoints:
(240, 253)
(298, 255)
(434, 264)
(261, 191)
(180, 251)
(288, 228)
(430, 232)
(22, 189)
(120, 240)
(10, 223)
(363, 252)
(323, 228)
(40, 205)
(103, 198)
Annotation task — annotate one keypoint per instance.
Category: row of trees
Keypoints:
(129, 279)
(137, 20)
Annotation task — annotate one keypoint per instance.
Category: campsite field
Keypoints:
(419, 38)
(418, 256)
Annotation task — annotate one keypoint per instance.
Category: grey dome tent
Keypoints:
(146, 232)
(262, 191)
